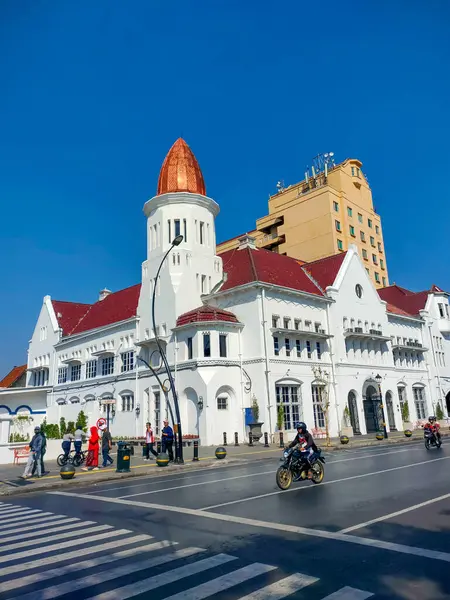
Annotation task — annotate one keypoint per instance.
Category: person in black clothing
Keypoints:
(43, 451)
(304, 440)
(167, 439)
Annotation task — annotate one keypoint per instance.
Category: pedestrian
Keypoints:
(78, 441)
(43, 451)
(167, 439)
(92, 455)
(35, 454)
(66, 443)
(106, 448)
(149, 442)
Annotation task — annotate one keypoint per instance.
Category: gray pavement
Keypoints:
(378, 527)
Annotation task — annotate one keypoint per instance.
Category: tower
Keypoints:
(180, 207)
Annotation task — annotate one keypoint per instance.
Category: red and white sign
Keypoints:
(101, 424)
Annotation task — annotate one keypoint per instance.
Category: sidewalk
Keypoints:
(12, 484)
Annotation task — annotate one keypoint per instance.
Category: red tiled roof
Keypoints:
(396, 311)
(76, 318)
(324, 271)
(13, 376)
(248, 265)
(410, 302)
(206, 313)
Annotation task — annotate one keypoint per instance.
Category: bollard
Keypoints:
(195, 450)
(236, 443)
(266, 440)
(67, 472)
(225, 438)
(162, 460)
(250, 439)
(220, 453)
(158, 447)
(281, 440)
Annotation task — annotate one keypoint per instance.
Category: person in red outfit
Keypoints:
(92, 456)
(433, 426)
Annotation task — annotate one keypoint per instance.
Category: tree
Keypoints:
(62, 426)
(82, 421)
(280, 417)
(405, 412)
(44, 426)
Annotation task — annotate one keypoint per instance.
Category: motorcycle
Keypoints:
(295, 467)
(431, 439)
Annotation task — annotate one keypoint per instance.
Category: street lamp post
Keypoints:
(179, 436)
(161, 385)
(379, 379)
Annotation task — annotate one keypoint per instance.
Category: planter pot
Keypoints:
(347, 431)
(255, 430)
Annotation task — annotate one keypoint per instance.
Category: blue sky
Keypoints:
(94, 94)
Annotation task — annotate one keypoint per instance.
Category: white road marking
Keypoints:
(69, 543)
(224, 582)
(329, 535)
(56, 558)
(77, 567)
(4, 504)
(349, 593)
(281, 589)
(63, 526)
(17, 529)
(151, 583)
(179, 487)
(18, 511)
(5, 524)
(332, 481)
(75, 585)
(208, 482)
(395, 514)
(60, 536)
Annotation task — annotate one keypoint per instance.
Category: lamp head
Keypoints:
(177, 241)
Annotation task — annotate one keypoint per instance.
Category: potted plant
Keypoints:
(440, 415)
(347, 429)
(405, 417)
(255, 426)
(280, 424)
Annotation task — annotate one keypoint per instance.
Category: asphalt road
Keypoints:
(378, 527)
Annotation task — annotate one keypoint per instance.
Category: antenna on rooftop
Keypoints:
(280, 186)
(324, 162)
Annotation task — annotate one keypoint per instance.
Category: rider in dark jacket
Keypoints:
(303, 439)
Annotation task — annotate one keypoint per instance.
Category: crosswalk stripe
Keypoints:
(25, 518)
(281, 589)
(145, 585)
(349, 593)
(5, 506)
(56, 547)
(60, 521)
(84, 564)
(224, 582)
(56, 558)
(17, 511)
(50, 538)
(76, 585)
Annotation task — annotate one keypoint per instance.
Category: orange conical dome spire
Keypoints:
(180, 171)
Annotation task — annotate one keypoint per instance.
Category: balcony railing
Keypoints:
(318, 333)
(358, 332)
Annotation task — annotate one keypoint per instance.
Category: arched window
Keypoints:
(419, 401)
(127, 404)
(289, 396)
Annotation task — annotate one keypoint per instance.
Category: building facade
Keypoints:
(322, 215)
(316, 338)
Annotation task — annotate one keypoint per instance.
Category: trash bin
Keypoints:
(123, 457)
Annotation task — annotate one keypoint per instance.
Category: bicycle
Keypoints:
(74, 458)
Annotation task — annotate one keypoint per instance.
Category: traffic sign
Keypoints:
(101, 424)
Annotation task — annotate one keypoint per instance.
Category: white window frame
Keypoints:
(319, 415)
(127, 404)
(290, 397)
(127, 361)
(91, 369)
(222, 402)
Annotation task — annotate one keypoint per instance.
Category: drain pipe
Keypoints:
(267, 370)
(333, 371)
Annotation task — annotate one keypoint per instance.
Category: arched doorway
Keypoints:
(353, 410)
(192, 412)
(372, 409)
(390, 411)
(447, 402)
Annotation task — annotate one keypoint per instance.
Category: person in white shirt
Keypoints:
(149, 442)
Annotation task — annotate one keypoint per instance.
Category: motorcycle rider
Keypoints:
(305, 442)
(433, 426)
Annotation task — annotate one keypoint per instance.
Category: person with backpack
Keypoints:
(43, 451)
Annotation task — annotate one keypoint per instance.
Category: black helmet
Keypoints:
(302, 426)
(432, 418)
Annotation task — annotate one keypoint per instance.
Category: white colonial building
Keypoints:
(249, 324)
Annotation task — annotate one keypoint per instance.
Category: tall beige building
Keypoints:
(322, 215)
